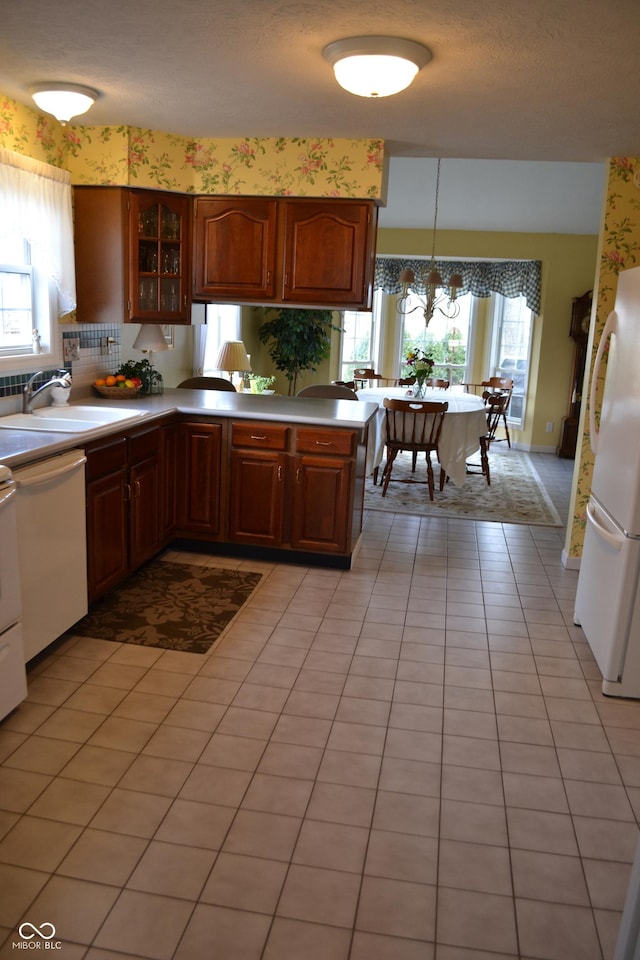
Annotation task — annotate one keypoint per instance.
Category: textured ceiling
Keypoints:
(553, 80)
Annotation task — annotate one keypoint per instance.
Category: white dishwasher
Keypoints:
(51, 547)
(13, 679)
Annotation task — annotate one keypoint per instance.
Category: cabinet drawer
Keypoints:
(336, 442)
(106, 458)
(144, 444)
(259, 436)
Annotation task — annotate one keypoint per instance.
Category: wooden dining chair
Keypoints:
(414, 426)
(497, 389)
(496, 406)
(327, 391)
(366, 376)
(208, 383)
(484, 467)
(437, 383)
(351, 384)
(498, 383)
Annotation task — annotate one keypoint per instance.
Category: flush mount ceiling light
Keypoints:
(63, 100)
(376, 66)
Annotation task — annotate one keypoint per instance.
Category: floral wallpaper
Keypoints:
(619, 250)
(132, 156)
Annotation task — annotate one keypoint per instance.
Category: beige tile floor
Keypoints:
(411, 760)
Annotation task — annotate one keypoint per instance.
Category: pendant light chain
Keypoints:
(435, 215)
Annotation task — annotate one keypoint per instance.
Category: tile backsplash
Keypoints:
(95, 339)
(88, 350)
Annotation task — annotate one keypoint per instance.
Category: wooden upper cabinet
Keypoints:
(133, 255)
(235, 248)
(285, 251)
(160, 240)
(327, 252)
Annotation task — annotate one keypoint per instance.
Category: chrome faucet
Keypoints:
(29, 394)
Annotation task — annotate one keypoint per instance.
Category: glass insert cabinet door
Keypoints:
(160, 231)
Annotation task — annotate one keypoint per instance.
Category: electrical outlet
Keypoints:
(550, 426)
(72, 349)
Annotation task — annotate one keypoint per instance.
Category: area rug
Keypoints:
(516, 495)
(177, 606)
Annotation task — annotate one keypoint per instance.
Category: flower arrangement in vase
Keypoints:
(420, 365)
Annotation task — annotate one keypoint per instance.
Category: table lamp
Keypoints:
(233, 358)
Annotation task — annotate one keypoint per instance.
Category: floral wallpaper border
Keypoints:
(132, 156)
(619, 250)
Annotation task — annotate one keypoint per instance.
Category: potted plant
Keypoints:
(260, 384)
(299, 340)
(144, 371)
(421, 366)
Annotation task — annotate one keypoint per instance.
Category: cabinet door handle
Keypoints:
(324, 443)
(254, 436)
(298, 475)
(136, 488)
(268, 277)
(126, 491)
(279, 473)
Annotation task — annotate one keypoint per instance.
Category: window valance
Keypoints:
(511, 278)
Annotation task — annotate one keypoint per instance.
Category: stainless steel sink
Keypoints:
(72, 419)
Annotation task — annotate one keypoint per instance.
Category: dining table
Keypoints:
(464, 423)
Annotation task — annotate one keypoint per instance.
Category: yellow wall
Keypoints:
(568, 271)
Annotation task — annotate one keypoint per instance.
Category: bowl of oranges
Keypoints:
(116, 386)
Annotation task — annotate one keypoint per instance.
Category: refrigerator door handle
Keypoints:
(610, 329)
(612, 539)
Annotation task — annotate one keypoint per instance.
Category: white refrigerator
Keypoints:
(607, 604)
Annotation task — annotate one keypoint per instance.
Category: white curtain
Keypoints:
(36, 206)
(199, 348)
(223, 323)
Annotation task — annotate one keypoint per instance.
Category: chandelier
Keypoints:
(445, 302)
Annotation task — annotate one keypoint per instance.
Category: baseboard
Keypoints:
(570, 563)
(529, 448)
(538, 448)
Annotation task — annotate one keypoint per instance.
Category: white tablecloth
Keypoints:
(464, 423)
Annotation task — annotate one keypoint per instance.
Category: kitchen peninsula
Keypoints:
(229, 473)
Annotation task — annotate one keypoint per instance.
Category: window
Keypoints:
(223, 323)
(360, 339)
(512, 330)
(37, 274)
(16, 310)
(446, 340)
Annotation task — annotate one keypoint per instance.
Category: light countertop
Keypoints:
(18, 447)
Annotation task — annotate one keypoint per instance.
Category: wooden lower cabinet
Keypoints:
(144, 510)
(291, 487)
(269, 485)
(256, 498)
(123, 506)
(107, 524)
(321, 504)
(170, 487)
(199, 477)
